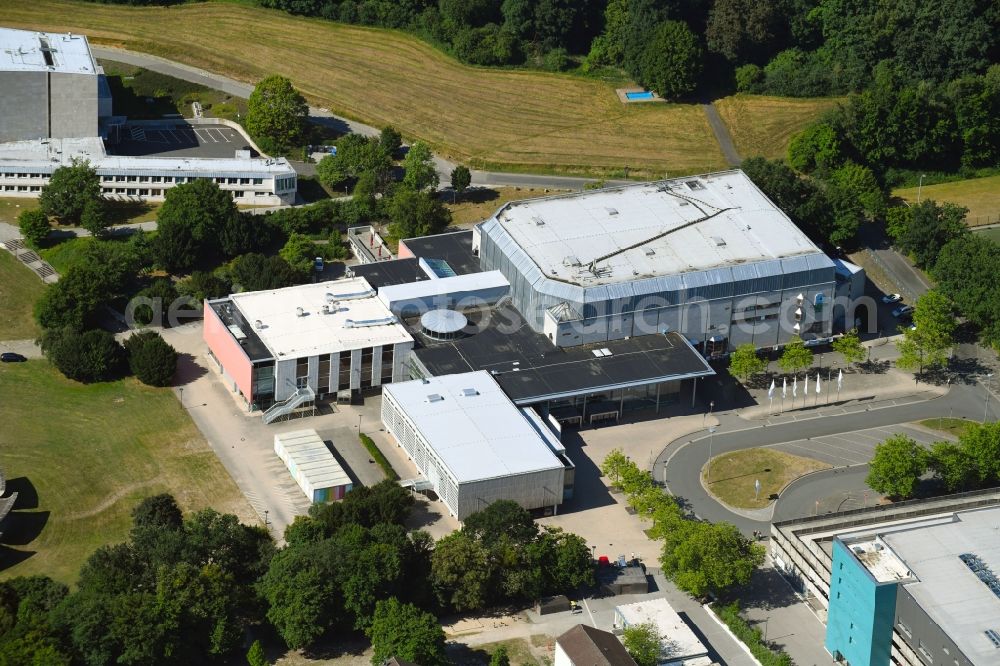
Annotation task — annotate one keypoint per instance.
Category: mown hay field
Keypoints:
(980, 195)
(488, 118)
(764, 126)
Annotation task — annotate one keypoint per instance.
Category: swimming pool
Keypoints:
(645, 94)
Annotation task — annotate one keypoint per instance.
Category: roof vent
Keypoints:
(612, 211)
(571, 260)
(694, 185)
(601, 353)
(424, 380)
(719, 241)
(684, 203)
(434, 397)
(258, 324)
(330, 298)
(538, 221)
(649, 252)
(299, 312)
(469, 392)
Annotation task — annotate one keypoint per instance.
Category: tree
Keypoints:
(94, 217)
(671, 61)
(390, 140)
(897, 466)
(69, 189)
(923, 229)
(406, 632)
(800, 198)
(152, 360)
(860, 184)
(704, 558)
(421, 172)
(796, 356)
(849, 346)
(501, 518)
(276, 113)
(741, 30)
(500, 657)
(927, 343)
(953, 466)
(614, 465)
(966, 271)
(201, 285)
(460, 572)
(981, 442)
(300, 252)
(90, 356)
(414, 214)
(34, 226)
(817, 147)
(355, 155)
(642, 641)
(158, 511)
(460, 179)
(153, 302)
(253, 272)
(744, 362)
(190, 224)
(301, 591)
(256, 656)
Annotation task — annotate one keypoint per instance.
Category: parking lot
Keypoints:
(180, 140)
(852, 448)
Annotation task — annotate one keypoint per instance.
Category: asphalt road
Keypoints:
(722, 135)
(908, 280)
(686, 459)
(321, 115)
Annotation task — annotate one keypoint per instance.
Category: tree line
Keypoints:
(185, 590)
(701, 558)
(972, 462)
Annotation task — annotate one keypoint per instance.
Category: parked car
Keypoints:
(11, 357)
(892, 298)
(903, 311)
(318, 265)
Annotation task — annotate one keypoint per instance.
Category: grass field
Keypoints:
(765, 125)
(89, 453)
(11, 207)
(488, 118)
(980, 195)
(951, 426)
(478, 204)
(19, 288)
(64, 254)
(733, 475)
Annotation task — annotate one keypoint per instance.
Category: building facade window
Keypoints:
(387, 360)
(324, 374)
(344, 370)
(367, 355)
(302, 372)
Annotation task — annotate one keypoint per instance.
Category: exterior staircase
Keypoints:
(286, 407)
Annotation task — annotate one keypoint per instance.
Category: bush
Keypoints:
(90, 356)
(556, 60)
(34, 225)
(379, 457)
(730, 614)
(162, 293)
(151, 359)
(748, 78)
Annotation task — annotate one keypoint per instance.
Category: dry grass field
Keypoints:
(764, 126)
(477, 204)
(733, 475)
(980, 195)
(487, 118)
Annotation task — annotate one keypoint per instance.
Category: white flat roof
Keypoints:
(357, 318)
(25, 51)
(946, 588)
(474, 428)
(633, 224)
(313, 459)
(440, 286)
(678, 641)
(49, 154)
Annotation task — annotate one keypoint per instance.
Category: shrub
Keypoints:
(379, 457)
(152, 360)
(730, 614)
(90, 356)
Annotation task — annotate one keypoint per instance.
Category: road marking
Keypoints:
(593, 622)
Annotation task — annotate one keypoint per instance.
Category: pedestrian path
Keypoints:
(30, 258)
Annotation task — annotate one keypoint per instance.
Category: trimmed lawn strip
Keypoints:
(950, 426)
(19, 289)
(90, 453)
(734, 473)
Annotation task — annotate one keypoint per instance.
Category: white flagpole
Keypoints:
(770, 397)
(818, 388)
(795, 389)
(805, 390)
(840, 383)
(784, 392)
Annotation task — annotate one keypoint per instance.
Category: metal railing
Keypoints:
(301, 396)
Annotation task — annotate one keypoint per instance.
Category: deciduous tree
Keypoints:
(276, 113)
(460, 179)
(414, 214)
(897, 466)
(406, 632)
(152, 360)
(923, 229)
(34, 226)
(744, 362)
(421, 172)
(671, 60)
(927, 343)
(90, 356)
(796, 356)
(642, 641)
(190, 224)
(953, 466)
(849, 346)
(69, 189)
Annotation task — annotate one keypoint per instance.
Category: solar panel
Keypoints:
(982, 572)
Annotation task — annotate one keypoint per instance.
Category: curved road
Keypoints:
(686, 457)
(323, 116)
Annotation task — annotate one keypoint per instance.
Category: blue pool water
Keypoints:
(639, 95)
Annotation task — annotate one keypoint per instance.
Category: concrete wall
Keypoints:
(73, 105)
(859, 624)
(24, 106)
(228, 352)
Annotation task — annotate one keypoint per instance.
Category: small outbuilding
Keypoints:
(312, 465)
(679, 646)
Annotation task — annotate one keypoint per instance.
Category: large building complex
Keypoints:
(474, 445)
(913, 584)
(709, 257)
(56, 107)
(51, 86)
(291, 346)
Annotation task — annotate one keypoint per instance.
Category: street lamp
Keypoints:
(711, 406)
(711, 441)
(920, 186)
(664, 473)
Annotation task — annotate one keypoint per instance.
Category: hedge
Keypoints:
(379, 457)
(730, 614)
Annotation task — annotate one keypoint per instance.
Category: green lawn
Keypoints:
(19, 288)
(11, 207)
(951, 426)
(980, 195)
(66, 253)
(733, 475)
(89, 454)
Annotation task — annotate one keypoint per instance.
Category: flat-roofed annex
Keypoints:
(293, 323)
(30, 51)
(670, 227)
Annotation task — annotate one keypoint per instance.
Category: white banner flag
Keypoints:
(795, 387)
(805, 391)
(770, 391)
(784, 387)
(817, 384)
(840, 380)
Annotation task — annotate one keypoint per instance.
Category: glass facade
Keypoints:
(263, 384)
(387, 359)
